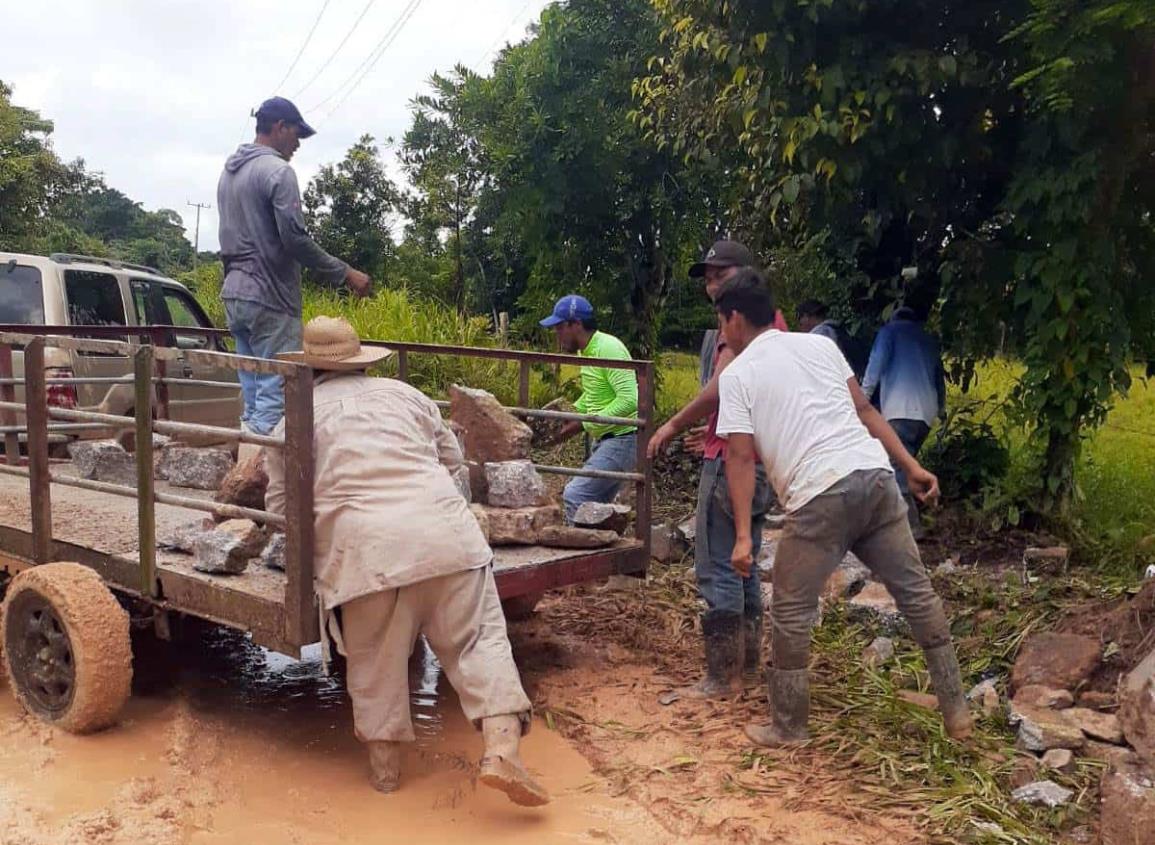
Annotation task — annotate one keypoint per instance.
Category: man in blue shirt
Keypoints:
(906, 367)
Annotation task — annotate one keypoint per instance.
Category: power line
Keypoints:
(333, 55)
(496, 41)
(304, 46)
(368, 58)
(411, 10)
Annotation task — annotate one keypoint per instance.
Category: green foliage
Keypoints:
(1002, 150)
(350, 206)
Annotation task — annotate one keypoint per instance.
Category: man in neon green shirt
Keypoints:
(605, 392)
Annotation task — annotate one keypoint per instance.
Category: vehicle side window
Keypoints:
(184, 312)
(94, 300)
(21, 295)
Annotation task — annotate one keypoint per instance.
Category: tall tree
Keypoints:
(974, 143)
(352, 206)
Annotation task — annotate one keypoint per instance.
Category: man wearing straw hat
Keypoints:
(399, 553)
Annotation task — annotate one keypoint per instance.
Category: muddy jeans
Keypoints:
(719, 585)
(863, 513)
(460, 616)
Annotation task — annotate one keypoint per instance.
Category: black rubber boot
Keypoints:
(942, 664)
(752, 645)
(722, 638)
(789, 694)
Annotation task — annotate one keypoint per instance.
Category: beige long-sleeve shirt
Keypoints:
(388, 512)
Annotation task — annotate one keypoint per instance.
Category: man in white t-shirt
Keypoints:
(792, 400)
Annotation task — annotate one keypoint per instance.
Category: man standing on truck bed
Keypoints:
(399, 554)
(605, 392)
(263, 247)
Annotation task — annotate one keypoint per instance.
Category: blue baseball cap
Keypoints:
(569, 308)
(278, 108)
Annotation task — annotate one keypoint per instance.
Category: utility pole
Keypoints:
(197, 232)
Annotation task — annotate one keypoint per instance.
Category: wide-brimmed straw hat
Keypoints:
(332, 344)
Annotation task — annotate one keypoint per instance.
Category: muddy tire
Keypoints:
(67, 652)
(520, 608)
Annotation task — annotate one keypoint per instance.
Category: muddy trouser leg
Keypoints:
(889, 550)
(463, 622)
(378, 631)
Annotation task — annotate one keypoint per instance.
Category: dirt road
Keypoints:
(225, 743)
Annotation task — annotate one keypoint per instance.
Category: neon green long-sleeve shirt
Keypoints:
(606, 392)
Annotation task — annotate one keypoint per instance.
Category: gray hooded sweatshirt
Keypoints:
(263, 237)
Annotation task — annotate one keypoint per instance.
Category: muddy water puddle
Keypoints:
(224, 742)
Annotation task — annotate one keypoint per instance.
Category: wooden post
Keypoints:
(523, 384)
(403, 364)
(145, 491)
(642, 488)
(300, 599)
(39, 480)
(503, 327)
(8, 418)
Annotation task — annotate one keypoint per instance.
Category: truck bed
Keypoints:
(101, 530)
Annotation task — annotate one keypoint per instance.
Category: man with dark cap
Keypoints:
(732, 623)
(263, 247)
(814, 318)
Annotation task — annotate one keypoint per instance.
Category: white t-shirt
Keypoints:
(789, 390)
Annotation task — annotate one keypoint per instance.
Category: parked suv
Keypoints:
(79, 290)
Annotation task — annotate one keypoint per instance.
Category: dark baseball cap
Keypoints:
(724, 254)
(568, 309)
(278, 108)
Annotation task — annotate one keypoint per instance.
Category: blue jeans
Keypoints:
(719, 585)
(913, 434)
(617, 454)
(261, 332)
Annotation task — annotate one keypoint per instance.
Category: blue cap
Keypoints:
(569, 308)
(278, 108)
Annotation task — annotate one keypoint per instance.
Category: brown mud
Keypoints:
(223, 742)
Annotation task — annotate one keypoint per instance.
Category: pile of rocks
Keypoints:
(507, 495)
(226, 548)
(179, 465)
(1058, 720)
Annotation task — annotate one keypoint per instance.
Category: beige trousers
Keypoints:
(460, 616)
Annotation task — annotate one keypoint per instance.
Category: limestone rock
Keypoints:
(1051, 560)
(767, 591)
(1036, 695)
(880, 651)
(103, 460)
(689, 530)
(514, 484)
(1104, 727)
(1105, 752)
(986, 695)
(516, 526)
(183, 538)
(274, 554)
(246, 484)
(546, 431)
(1059, 661)
(571, 537)
(847, 580)
(874, 606)
(1127, 796)
(200, 469)
(227, 550)
(1059, 759)
(478, 492)
(947, 567)
(603, 517)
(491, 433)
(1137, 708)
(1043, 792)
(1096, 700)
(1041, 729)
(667, 545)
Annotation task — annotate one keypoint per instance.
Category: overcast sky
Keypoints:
(155, 94)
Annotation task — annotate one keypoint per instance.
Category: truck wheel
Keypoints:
(67, 651)
(520, 608)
